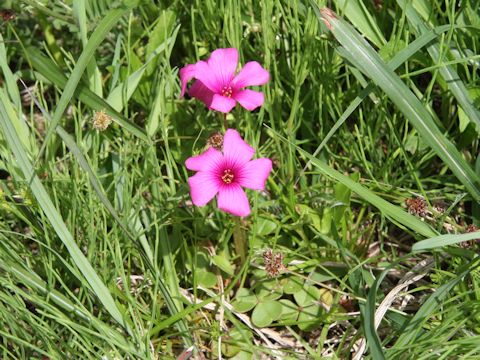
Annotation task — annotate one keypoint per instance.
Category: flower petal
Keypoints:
(201, 92)
(249, 99)
(206, 161)
(252, 74)
(219, 70)
(187, 73)
(222, 103)
(224, 62)
(208, 77)
(235, 150)
(233, 200)
(203, 187)
(254, 174)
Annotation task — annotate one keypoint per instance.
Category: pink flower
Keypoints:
(225, 174)
(218, 87)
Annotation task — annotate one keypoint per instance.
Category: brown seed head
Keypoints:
(216, 141)
(7, 14)
(417, 206)
(471, 228)
(273, 262)
(101, 120)
(468, 244)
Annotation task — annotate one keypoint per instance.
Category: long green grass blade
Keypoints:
(123, 92)
(371, 335)
(52, 72)
(135, 226)
(7, 114)
(94, 76)
(14, 94)
(444, 240)
(110, 19)
(402, 56)
(371, 64)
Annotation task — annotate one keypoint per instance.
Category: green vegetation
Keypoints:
(363, 243)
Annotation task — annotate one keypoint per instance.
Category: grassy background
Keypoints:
(102, 254)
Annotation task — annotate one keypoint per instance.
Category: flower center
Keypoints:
(227, 91)
(227, 176)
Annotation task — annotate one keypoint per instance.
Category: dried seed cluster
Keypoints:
(273, 262)
(417, 206)
(216, 141)
(101, 120)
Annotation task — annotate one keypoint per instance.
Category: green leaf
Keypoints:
(289, 310)
(308, 295)
(444, 240)
(245, 303)
(265, 226)
(463, 118)
(435, 300)
(401, 57)
(206, 278)
(359, 15)
(32, 280)
(310, 317)
(269, 289)
(326, 297)
(223, 264)
(311, 216)
(124, 91)
(266, 312)
(293, 285)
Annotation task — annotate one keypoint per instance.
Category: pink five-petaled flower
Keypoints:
(225, 174)
(217, 86)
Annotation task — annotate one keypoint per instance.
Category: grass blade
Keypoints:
(135, 225)
(444, 240)
(371, 64)
(401, 57)
(110, 19)
(52, 72)
(359, 15)
(32, 280)
(98, 287)
(124, 91)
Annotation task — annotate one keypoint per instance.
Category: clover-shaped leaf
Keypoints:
(309, 317)
(293, 285)
(266, 312)
(231, 344)
(271, 289)
(244, 301)
(205, 278)
(307, 295)
(289, 310)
